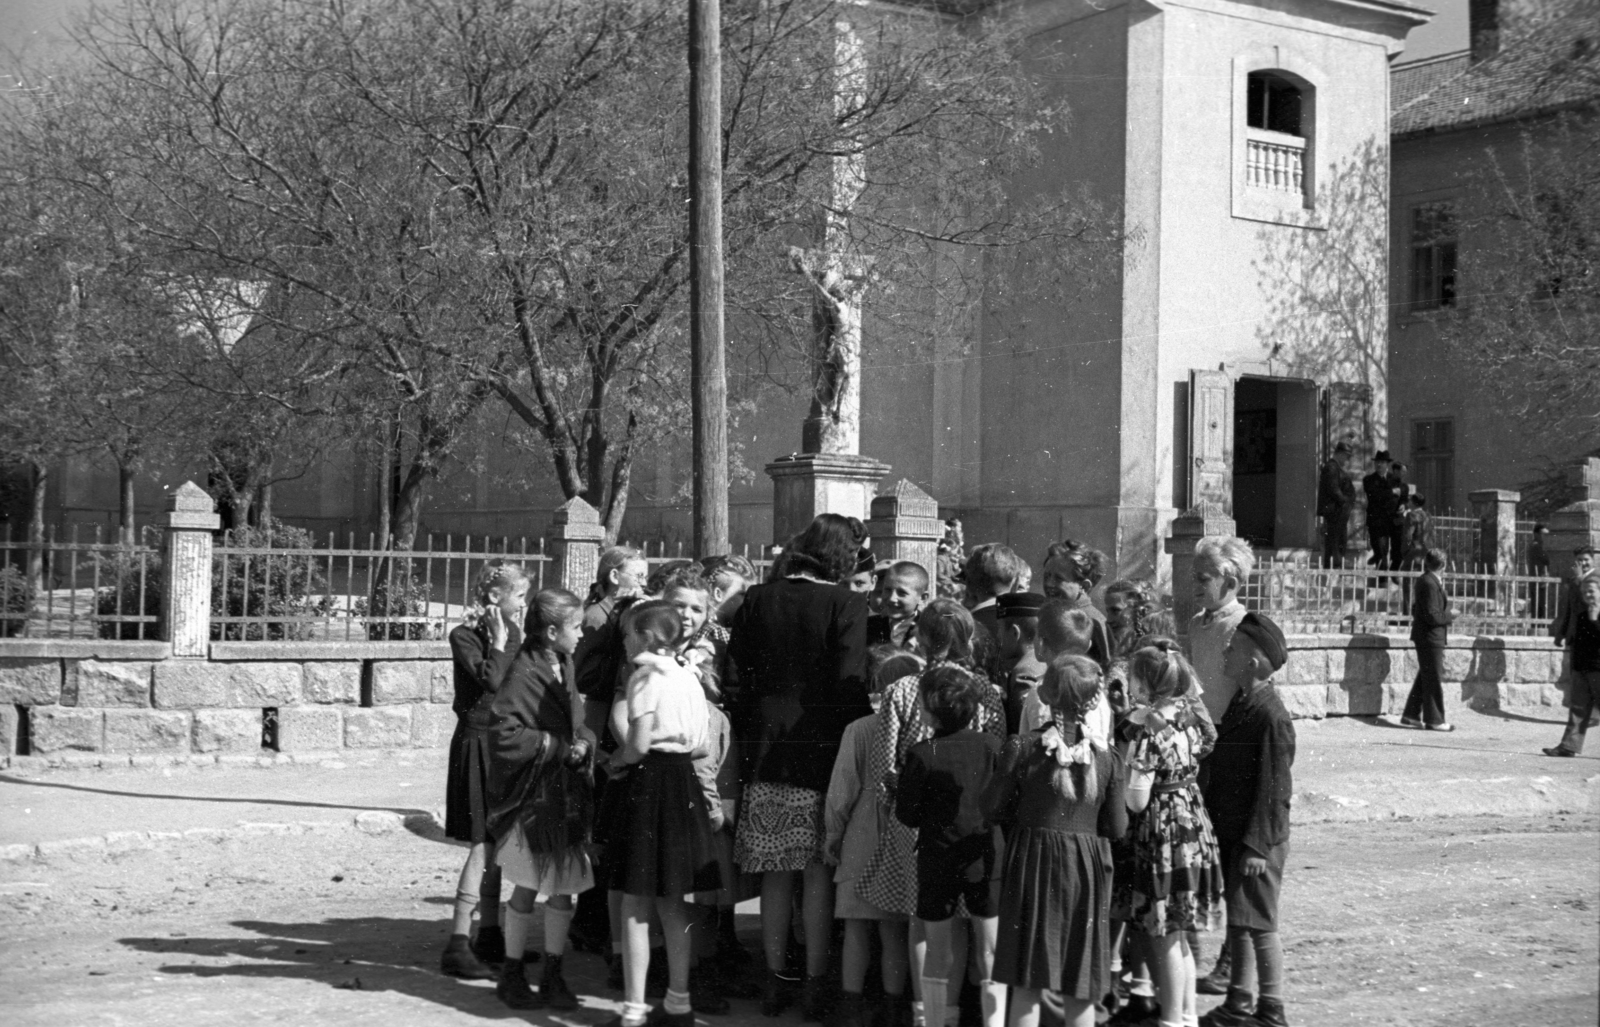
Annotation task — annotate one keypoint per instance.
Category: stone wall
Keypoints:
(1368, 675)
(94, 699)
(72, 701)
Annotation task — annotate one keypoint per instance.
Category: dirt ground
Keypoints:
(1450, 921)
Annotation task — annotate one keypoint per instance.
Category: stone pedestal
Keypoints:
(1496, 510)
(905, 525)
(1187, 529)
(807, 484)
(1576, 524)
(573, 544)
(186, 558)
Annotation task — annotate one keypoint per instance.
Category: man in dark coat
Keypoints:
(1430, 621)
(1336, 494)
(1383, 509)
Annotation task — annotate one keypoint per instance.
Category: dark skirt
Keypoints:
(466, 796)
(659, 835)
(1054, 928)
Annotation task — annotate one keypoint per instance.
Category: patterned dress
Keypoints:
(1175, 878)
(890, 879)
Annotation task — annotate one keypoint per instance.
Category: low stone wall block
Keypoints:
(108, 683)
(26, 682)
(332, 682)
(55, 729)
(380, 727)
(227, 731)
(148, 730)
(310, 728)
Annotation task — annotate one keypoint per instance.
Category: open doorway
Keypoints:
(1275, 461)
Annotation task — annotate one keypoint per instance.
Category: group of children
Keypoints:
(1048, 793)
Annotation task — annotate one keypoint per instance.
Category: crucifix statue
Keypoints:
(838, 276)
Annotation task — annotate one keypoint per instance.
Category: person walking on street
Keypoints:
(1584, 644)
(1336, 494)
(1383, 508)
(1430, 620)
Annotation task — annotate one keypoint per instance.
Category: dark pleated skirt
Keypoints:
(466, 797)
(1054, 928)
(659, 831)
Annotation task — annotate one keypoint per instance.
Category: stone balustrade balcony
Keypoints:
(1275, 161)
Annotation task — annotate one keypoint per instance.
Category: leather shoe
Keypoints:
(1441, 727)
(1556, 750)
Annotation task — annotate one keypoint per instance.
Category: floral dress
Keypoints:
(890, 879)
(1175, 874)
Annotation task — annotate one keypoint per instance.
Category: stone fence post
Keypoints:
(1496, 510)
(1185, 533)
(905, 525)
(186, 571)
(573, 545)
(1576, 524)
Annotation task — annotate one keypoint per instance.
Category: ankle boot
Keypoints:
(1269, 1013)
(457, 960)
(1216, 982)
(815, 999)
(849, 1011)
(778, 993)
(1137, 1009)
(490, 945)
(513, 987)
(553, 986)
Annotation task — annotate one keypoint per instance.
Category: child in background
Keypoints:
(945, 635)
(1065, 629)
(661, 847)
(852, 826)
(1072, 570)
(1019, 660)
(482, 650)
(1222, 564)
(1060, 793)
(1418, 529)
(730, 576)
(991, 571)
(900, 597)
(1247, 784)
(1176, 882)
(865, 577)
(939, 794)
(543, 796)
(704, 649)
(1583, 643)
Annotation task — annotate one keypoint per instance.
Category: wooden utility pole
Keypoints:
(708, 380)
(708, 376)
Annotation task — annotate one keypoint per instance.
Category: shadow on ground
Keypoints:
(369, 954)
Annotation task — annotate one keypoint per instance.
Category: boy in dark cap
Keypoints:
(1018, 619)
(1246, 784)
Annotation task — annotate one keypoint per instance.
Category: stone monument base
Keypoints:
(807, 484)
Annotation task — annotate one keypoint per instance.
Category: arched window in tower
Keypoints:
(1277, 120)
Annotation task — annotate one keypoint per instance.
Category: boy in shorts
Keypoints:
(1247, 783)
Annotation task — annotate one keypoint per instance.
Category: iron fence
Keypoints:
(1305, 598)
(350, 592)
(81, 586)
(660, 551)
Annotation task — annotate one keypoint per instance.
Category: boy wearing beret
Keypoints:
(1246, 783)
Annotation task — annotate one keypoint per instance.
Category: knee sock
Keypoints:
(1269, 964)
(933, 1001)
(677, 1002)
(1242, 979)
(994, 1004)
(516, 933)
(489, 897)
(557, 923)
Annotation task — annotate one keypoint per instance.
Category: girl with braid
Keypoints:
(1060, 794)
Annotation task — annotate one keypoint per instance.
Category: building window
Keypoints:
(1433, 458)
(1275, 122)
(1433, 256)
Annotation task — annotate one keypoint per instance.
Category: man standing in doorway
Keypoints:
(1336, 494)
(1383, 509)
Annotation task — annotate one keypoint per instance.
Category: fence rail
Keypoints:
(660, 551)
(78, 587)
(1310, 599)
(350, 592)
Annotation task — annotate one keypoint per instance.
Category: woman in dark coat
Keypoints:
(800, 645)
